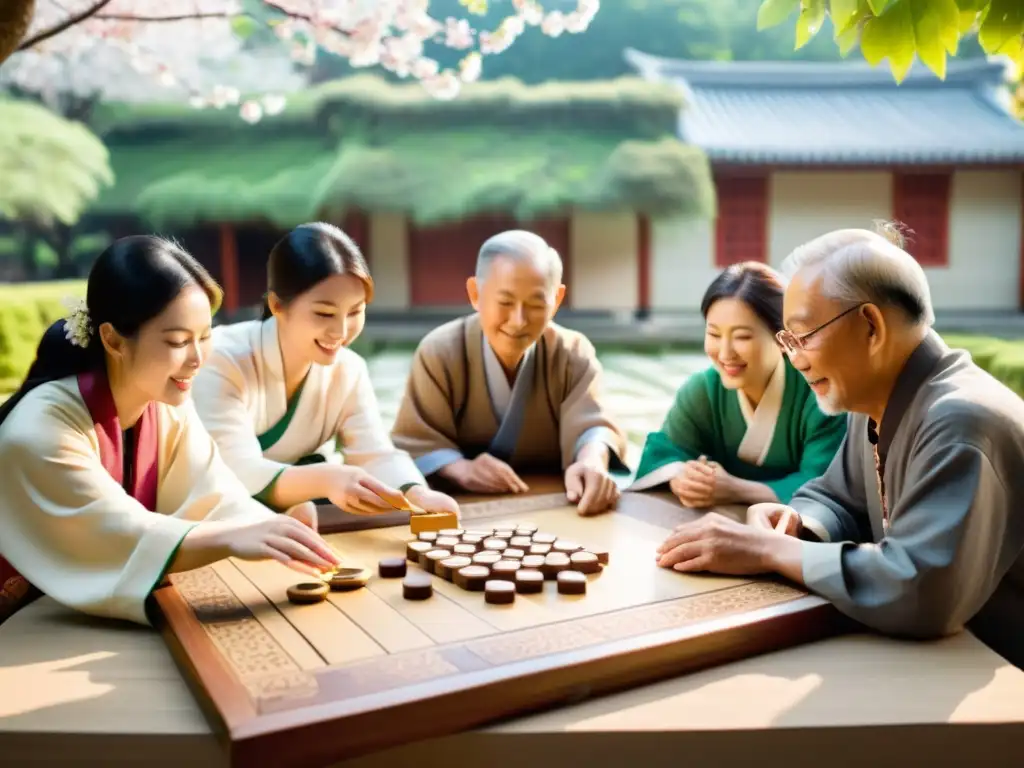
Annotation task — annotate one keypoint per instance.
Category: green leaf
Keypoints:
(808, 24)
(244, 26)
(929, 22)
(774, 12)
(846, 13)
(1003, 22)
(878, 6)
(972, 6)
(968, 20)
(847, 40)
(891, 36)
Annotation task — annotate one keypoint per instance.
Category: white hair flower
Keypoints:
(76, 325)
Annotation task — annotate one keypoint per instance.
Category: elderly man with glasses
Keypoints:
(916, 529)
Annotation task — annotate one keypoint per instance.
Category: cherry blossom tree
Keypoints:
(393, 34)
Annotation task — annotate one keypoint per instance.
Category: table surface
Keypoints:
(68, 682)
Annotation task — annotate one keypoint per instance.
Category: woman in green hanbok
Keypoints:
(748, 428)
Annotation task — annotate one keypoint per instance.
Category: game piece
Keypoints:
(486, 558)
(513, 554)
(521, 542)
(391, 567)
(529, 581)
(504, 534)
(414, 550)
(474, 538)
(572, 583)
(447, 542)
(346, 579)
(453, 532)
(464, 549)
(505, 568)
(564, 545)
(532, 561)
(499, 592)
(472, 578)
(428, 536)
(544, 538)
(539, 549)
(554, 563)
(432, 521)
(526, 529)
(602, 555)
(449, 565)
(417, 586)
(584, 562)
(481, 534)
(495, 545)
(307, 592)
(433, 557)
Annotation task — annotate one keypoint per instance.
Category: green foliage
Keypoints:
(1003, 358)
(26, 311)
(51, 168)
(900, 30)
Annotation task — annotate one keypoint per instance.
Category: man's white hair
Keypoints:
(858, 265)
(520, 245)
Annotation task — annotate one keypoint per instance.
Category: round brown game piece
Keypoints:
(495, 545)
(499, 592)
(346, 579)
(433, 557)
(307, 592)
(449, 565)
(562, 545)
(464, 549)
(453, 532)
(572, 583)
(391, 567)
(472, 578)
(584, 562)
(544, 538)
(446, 542)
(415, 550)
(521, 542)
(505, 568)
(476, 532)
(532, 561)
(504, 533)
(526, 529)
(554, 563)
(428, 536)
(474, 539)
(602, 555)
(539, 549)
(529, 581)
(417, 586)
(486, 558)
(513, 554)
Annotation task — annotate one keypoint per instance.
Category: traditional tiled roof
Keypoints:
(810, 113)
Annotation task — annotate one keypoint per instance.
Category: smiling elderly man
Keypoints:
(506, 391)
(917, 527)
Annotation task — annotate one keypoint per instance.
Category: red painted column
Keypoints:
(229, 267)
(643, 264)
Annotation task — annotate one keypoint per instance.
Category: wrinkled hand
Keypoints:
(355, 490)
(305, 513)
(486, 474)
(594, 489)
(283, 538)
(431, 500)
(776, 517)
(717, 544)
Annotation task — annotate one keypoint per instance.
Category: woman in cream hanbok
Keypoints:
(108, 480)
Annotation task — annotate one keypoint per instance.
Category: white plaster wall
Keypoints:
(603, 261)
(682, 262)
(984, 243)
(389, 260)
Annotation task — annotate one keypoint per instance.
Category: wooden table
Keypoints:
(69, 684)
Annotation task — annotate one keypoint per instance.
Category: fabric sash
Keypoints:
(15, 590)
(762, 421)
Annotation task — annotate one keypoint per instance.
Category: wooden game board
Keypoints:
(294, 685)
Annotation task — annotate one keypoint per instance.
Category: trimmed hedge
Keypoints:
(1003, 358)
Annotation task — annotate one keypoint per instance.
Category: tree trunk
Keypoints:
(15, 19)
(60, 238)
(27, 249)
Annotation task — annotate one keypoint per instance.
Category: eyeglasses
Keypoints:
(790, 342)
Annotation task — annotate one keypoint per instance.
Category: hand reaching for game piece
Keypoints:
(356, 491)
(595, 490)
(306, 514)
(283, 538)
(485, 474)
(430, 500)
(777, 517)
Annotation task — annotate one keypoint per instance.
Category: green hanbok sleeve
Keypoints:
(683, 435)
(821, 438)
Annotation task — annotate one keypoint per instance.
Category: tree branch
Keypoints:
(179, 17)
(69, 22)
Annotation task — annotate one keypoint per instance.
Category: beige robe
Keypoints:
(240, 395)
(457, 403)
(74, 532)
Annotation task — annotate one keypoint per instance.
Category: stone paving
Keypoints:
(639, 388)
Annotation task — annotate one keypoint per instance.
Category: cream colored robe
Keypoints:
(457, 403)
(74, 532)
(240, 395)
